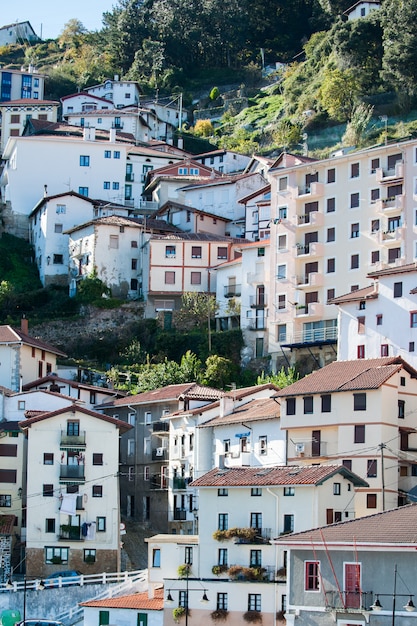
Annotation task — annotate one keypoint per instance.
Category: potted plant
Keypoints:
(252, 617)
(179, 612)
(234, 571)
(280, 616)
(219, 615)
(282, 572)
(221, 535)
(217, 570)
(184, 570)
(90, 559)
(56, 560)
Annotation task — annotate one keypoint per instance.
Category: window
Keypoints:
(133, 244)
(347, 463)
(188, 555)
(281, 272)
(84, 160)
(106, 184)
(73, 429)
(354, 230)
(196, 278)
(384, 349)
(371, 471)
(282, 212)
(371, 501)
(50, 525)
(401, 409)
(263, 445)
(288, 523)
(83, 191)
(48, 491)
(196, 252)
(331, 234)
(116, 154)
(281, 332)
(336, 489)
(359, 433)
(97, 458)
(282, 183)
(354, 261)
(413, 319)
(375, 256)
(282, 242)
(308, 405)
(107, 154)
(221, 602)
(48, 458)
(97, 491)
(290, 406)
(15, 119)
(331, 294)
(289, 491)
(354, 170)
(361, 325)
(89, 555)
(223, 523)
(326, 403)
(52, 554)
(222, 252)
(331, 266)
(331, 205)
(261, 251)
(134, 264)
(58, 259)
(398, 290)
(170, 252)
(312, 578)
(411, 346)
(104, 618)
(5, 500)
(170, 278)
(256, 491)
(60, 209)
(222, 492)
(354, 200)
(254, 602)
(359, 401)
(58, 228)
(116, 185)
(100, 524)
(331, 175)
(402, 381)
(226, 446)
(281, 301)
(256, 520)
(255, 558)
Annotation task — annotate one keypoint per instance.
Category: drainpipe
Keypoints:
(276, 551)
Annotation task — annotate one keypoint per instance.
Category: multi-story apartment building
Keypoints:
(12, 481)
(380, 320)
(145, 449)
(87, 395)
(17, 84)
(360, 413)
(15, 113)
(73, 513)
(332, 222)
(224, 161)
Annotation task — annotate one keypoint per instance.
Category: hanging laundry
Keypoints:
(69, 503)
(91, 532)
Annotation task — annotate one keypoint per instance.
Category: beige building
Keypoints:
(73, 514)
(362, 414)
(15, 114)
(332, 222)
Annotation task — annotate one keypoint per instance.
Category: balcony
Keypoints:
(235, 459)
(180, 482)
(117, 125)
(316, 335)
(130, 177)
(231, 291)
(180, 515)
(391, 175)
(349, 600)
(72, 441)
(257, 302)
(158, 481)
(70, 533)
(314, 218)
(313, 279)
(313, 190)
(159, 454)
(393, 236)
(160, 427)
(72, 473)
(310, 449)
(257, 324)
(314, 249)
(388, 205)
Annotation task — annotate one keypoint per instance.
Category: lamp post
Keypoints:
(409, 606)
(39, 586)
(169, 599)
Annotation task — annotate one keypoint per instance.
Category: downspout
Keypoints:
(276, 550)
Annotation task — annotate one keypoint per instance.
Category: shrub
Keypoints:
(184, 570)
(179, 612)
(219, 615)
(252, 617)
(217, 570)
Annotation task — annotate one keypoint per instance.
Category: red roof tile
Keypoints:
(132, 601)
(13, 335)
(348, 376)
(397, 526)
(276, 475)
(367, 293)
(74, 408)
(170, 392)
(255, 410)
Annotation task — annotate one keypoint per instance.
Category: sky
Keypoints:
(48, 17)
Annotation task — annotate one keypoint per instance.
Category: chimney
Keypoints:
(116, 77)
(180, 143)
(45, 191)
(112, 135)
(24, 325)
(227, 406)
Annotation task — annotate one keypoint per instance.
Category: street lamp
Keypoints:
(409, 606)
(169, 599)
(39, 586)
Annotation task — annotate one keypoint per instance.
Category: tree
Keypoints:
(148, 62)
(338, 93)
(399, 24)
(203, 128)
(219, 372)
(281, 379)
(214, 93)
(72, 33)
(357, 125)
(196, 311)
(288, 133)
(91, 289)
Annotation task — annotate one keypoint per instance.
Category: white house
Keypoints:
(362, 8)
(73, 515)
(15, 113)
(83, 102)
(120, 92)
(360, 413)
(224, 161)
(135, 609)
(18, 32)
(12, 481)
(381, 319)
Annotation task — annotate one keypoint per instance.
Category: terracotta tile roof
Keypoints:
(28, 102)
(7, 524)
(397, 526)
(277, 475)
(74, 408)
(170, 392)
(72, 383)
(181, 236)
(348, 376)
(400, 269)
(367, 293)
(256, 410)
(13, 335)
(135, 601)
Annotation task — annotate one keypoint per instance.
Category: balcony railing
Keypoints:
(130, 177)
(72, 472)
(230, 291)
(312, 336)
(258, 302)
(180, 514)
(180, 482)
(159, 454)
(72, 440)
(158, 481)
(160, 427)
(70, 533)
(355, 600)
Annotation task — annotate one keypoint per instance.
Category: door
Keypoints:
(311, 268)
(316, 443)
(353, 585)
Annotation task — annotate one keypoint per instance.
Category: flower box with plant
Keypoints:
(184, 570)
(56, 560)
(280, 616)
(219, 615)
(252, 617)
(90, 559)
(221, 535)
(282, 572)
(179, 612)
(217, 570)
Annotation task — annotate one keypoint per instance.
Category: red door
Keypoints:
(353, 585)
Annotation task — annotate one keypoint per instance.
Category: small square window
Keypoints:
(222, 492)
(97, 491)
(371, 500)
(58, 228)
(48, 458)
(100, 524)
(256, 491)
(48, 491)
(97, 458)
(289, 491)
(354, 262)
